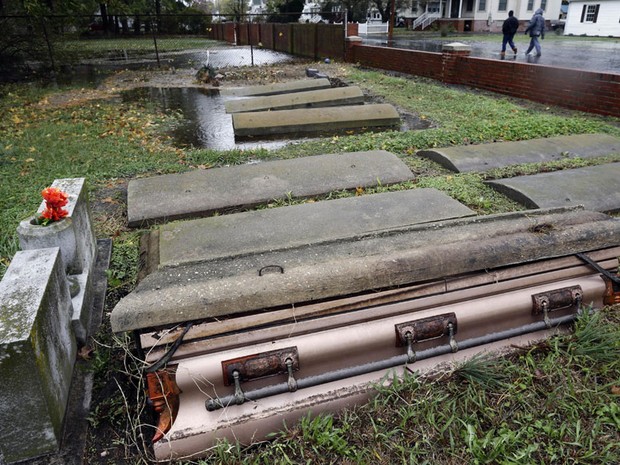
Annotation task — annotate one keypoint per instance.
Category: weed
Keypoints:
(123, 269)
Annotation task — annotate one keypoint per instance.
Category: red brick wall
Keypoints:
(352, 29)
(579, 90)
(419, 63)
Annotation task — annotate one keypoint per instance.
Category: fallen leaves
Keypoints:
(85, 353)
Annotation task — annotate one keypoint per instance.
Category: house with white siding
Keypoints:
(593, 18)
(478, 15)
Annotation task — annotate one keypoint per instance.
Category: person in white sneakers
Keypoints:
(536, 29)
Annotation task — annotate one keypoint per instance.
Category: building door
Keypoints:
(454, 8)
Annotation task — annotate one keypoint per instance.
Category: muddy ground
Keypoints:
(112, 86)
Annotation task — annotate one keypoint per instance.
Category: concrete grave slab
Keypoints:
(597, 188)
(484, 157)
(314, 120)
(312, 99)
(278, 228)
(203, 192)
(383, 259)
(277, 88)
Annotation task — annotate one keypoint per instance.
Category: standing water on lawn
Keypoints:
(205, 123)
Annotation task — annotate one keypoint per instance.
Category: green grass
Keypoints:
(556, 402)
(139, 45)
(100, 140)
(105, 140)
(507, 410)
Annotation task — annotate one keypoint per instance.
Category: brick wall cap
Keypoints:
(456, 47)
(354, 39)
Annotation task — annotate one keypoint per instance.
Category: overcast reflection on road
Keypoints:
(592, 55)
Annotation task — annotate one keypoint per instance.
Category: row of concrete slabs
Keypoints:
(596, 187)
(327, 287)
(308, 106)
(202, 193)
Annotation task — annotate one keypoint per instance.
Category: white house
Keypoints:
(593, 18)
(480, 15)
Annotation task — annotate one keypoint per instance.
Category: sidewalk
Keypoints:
(595, 54)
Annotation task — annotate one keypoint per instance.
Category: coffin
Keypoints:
(236, 346)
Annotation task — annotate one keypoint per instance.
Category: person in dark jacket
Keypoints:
(536, 29)
(509, 29)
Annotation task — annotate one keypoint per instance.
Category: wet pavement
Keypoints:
(593, 54)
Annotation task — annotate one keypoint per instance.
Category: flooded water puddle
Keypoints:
(205, 123)
(216, 57)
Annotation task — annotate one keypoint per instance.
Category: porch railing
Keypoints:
(425, 20)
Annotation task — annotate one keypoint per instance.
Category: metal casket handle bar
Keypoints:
(566, 298)
(426, 329)
(336, 375)
(262, 365)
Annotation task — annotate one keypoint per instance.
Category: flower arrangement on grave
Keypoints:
(55, 200)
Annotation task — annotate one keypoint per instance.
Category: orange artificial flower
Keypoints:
(55, 199)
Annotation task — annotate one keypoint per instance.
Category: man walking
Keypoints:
(536, 29)
(509, 29)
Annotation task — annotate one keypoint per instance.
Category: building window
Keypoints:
(482, 5)
(503, 5)
(530, 5)
(543, 4)
(589, 14)
(470, 5)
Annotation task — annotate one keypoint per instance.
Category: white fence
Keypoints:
(372, 28)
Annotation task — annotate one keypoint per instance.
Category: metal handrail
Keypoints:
(400, 360)
(425, 20)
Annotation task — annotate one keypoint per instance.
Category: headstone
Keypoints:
(311, 223)
(84, 239)
(383, 259)
(37, 353)
(76, 238)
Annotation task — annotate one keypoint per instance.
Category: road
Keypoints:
(599, 54)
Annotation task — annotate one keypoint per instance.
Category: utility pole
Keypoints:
(391, 23)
